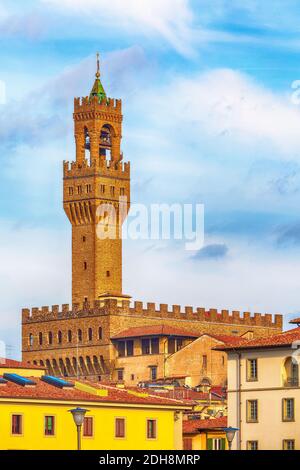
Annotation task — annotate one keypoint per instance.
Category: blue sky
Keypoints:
(208, 118)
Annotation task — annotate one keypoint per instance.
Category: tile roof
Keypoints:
(5, 363)
(295, 321)
(155, 330)
(286, 338)
(182, 393)
(43, 390)
(228, 339)
(193, 426)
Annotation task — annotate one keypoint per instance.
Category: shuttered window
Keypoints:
(120, 427)
(88, 426)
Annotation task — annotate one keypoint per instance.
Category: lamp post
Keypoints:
(230, 433)
(78, 416)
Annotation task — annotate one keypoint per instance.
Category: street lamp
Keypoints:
(78, 416)
(230, 433)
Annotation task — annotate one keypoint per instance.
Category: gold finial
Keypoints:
(98, 66)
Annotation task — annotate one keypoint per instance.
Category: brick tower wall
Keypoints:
(98, 354)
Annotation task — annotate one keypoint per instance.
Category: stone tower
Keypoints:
(97, 196)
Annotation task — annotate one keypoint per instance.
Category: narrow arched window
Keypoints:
(90, 334)
(40, 338)
(30, 339)
(50, 337)
(79, 335)
(99, 332)
(59, 337)
(69, 336)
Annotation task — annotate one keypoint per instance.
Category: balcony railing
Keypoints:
(291, 382)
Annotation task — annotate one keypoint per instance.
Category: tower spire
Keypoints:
(98, 89)
(98, 66)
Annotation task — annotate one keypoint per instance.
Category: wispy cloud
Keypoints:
(171, 20)
(214, 251)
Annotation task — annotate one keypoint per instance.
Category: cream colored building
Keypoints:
(264, 393)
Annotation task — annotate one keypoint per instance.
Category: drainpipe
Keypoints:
(239, 400)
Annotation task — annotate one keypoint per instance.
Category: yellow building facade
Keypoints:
(205, 434)
(35, 415)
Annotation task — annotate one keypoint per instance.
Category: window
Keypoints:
(16, 424)
(218, 444)
(79, 335)
(288, 444)
(129, 347)
(252, 411)
(85, 265)
(120, 375)
(107, 273)
(290, 373)
(153, 372)
(145, 346)
(59, 337)
(84, 239)
(120, 427)
(154, 346)
(50, 337)
(132, 377)
(102, 188)
(31, 340)
(88, 188)
(150, 346)
(174, 345)
(88, 426)
(49, 426)
(122, 191)
(100, 333)
(204, 361)
(288, 409)
(112, 190)
(69, 336)
(79, 190)
(71, 191)
(223, 360)
(40, 339)
(187, 443)
(151, 429)
(251, 370)
(252, 445)
(171, 345)
(121, 348)
(90, 334)
(125, 348)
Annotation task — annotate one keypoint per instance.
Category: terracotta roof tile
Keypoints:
(17, 364)
(229, 339)
(155, 330)
(192, 426)
(181, 393)
(295, 321)
(43, 390)
(286, 338)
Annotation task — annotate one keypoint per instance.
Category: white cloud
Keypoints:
(170, 19)
(252, 278)
(231, 106)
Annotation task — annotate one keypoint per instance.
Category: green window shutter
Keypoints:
(223, 445)
(209, 444)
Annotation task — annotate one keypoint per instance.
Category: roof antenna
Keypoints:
(98, 66)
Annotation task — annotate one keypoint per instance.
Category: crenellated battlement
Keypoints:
(86, 105)
(97, 165)
(124, 307)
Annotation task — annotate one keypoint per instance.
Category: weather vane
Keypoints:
(98, 65)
